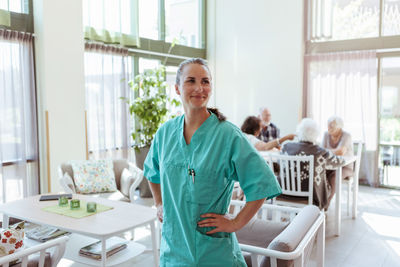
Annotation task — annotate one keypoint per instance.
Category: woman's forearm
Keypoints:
(246, 213)
(263, 146)
(287, 137)
(156, 191)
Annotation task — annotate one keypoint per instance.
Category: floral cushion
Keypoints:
(94, 176)
(12, 239)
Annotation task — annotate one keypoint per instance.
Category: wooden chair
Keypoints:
(57, 246)
(291, 245)
(289, 177)
(352, 181)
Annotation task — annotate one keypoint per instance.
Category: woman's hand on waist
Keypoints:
(222, 223)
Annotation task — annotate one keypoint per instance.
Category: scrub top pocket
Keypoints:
(204, 188)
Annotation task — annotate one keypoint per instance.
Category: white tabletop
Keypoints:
(123, 217)
(347, 161)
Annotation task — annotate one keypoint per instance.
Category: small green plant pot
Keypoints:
(75, 204)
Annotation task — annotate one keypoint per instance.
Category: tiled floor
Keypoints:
(373, 239)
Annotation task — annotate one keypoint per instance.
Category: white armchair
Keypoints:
(127, 178)
(56, 246)
(282, 236)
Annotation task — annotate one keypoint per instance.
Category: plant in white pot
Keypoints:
(150, 110)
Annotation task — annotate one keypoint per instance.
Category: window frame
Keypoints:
(147, 46)
(20, 21)
(371, 43)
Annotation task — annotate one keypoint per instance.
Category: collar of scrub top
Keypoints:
(200, 131)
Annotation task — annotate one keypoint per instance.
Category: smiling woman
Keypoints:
(192, 165)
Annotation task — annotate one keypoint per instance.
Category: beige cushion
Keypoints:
(69, 182)
(119, 166)
(127, 180)
(259, 233)
(290, 238)
(34, 261)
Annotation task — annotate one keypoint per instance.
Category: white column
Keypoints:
(59, 56)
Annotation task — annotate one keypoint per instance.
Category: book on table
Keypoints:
(43, 233)
(113, 245)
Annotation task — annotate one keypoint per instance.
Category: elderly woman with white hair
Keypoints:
(307, 133)
(340, 143)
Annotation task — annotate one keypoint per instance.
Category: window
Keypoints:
(170, 75)
(389, 137)
(18, 6)
(111, 21)
(16, 15)
(182, 20)
(344, 19)
(107, 72)
(19, 176)
(391, 17)
(170, 79)
(148, 19)
(145, 64)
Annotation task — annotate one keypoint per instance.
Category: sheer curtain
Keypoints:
(345, 84)
(107, 72)
(18, 123)
(111, 21)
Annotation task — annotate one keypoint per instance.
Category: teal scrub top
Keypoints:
(218, 155)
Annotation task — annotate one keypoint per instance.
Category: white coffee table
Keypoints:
(123, 217)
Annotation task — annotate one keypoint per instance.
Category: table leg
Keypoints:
(355, 197)
(5, 221)
(103, 252)
(338, 212)
(154, 243)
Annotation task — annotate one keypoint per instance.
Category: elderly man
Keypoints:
(269, 130)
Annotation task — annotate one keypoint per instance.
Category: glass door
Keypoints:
(389, 114)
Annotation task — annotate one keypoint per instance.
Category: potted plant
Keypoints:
(150, 111)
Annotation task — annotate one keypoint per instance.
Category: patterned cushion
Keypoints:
(12, 239)
(94, 176)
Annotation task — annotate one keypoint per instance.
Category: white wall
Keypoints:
(59, 55)
(255, 49)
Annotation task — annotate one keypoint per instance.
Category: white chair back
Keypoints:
(358, 159)
(290, 173)
(56, 255)
(138, 175)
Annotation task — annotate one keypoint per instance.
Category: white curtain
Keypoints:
(345, 84)
(107, 72)
(18, 124)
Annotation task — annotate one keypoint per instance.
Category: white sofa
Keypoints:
(282, 236)
(126, 185)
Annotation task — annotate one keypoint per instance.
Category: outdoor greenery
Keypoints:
(151, 103)
(390, 130)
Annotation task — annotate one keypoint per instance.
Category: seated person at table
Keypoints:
(252, 128)
(269, 131)
(340, 143)
(307, 133)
